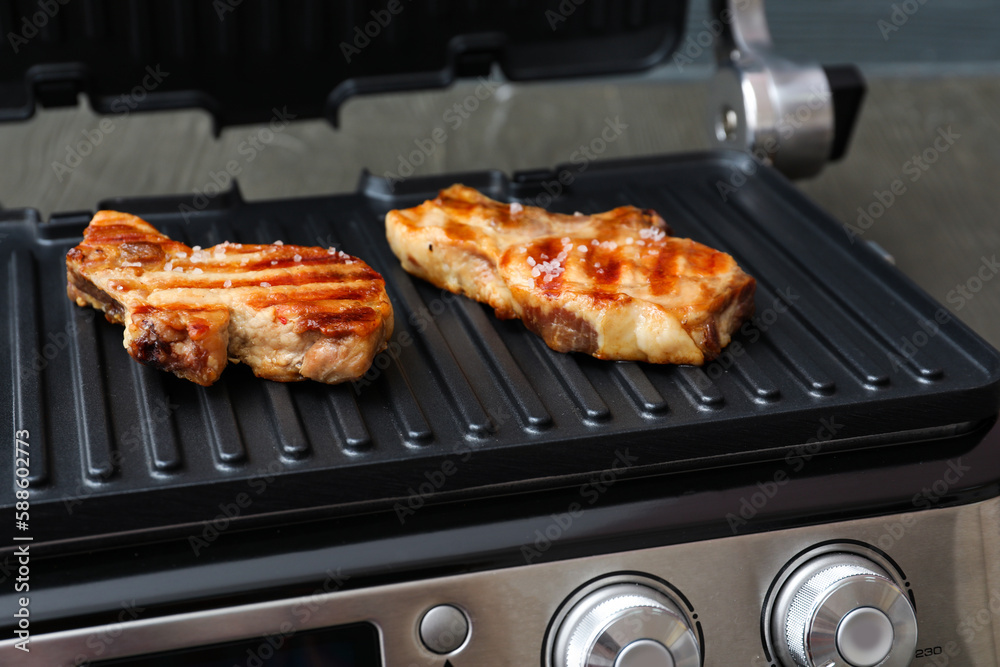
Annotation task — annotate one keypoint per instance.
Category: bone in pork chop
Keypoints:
(616, 285)
(289, 312)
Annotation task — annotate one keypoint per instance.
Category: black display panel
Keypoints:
(343, 646)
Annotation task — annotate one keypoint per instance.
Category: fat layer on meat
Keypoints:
(616, 285)
(289, 312)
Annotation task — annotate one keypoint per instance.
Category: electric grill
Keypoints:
(477, 498)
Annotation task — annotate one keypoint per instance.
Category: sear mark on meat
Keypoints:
(288, 312)
(616, 285)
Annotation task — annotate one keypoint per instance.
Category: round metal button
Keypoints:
(444, 628)
(864, 637)
(645, 653)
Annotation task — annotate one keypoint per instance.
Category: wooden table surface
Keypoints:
(943, 230)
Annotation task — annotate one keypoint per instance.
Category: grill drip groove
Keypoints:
(516, 384)
(702, 389)
(885, 336)
(220, 424)
(26, 392)
(568, 371)
(288, 428)
(769, 285)
(392, 379)
(645, 395)
(154, 419)
(403, 291)
(347, 420)
(92, 423)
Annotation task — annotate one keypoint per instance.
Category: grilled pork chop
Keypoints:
(289, 312)
(616, 285)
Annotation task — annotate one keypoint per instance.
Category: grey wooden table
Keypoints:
(944, 230)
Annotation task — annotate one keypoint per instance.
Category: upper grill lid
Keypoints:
(243, 59)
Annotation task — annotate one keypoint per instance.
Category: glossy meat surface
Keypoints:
(616, 285)
(289, 312)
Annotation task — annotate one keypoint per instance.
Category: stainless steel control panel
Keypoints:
(716, 597)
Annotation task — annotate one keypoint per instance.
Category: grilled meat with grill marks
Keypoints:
(615, 285)
(289, 312)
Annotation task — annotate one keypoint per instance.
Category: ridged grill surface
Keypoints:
(462, 400)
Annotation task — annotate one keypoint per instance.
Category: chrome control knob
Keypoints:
(843, 610)
(626, 625)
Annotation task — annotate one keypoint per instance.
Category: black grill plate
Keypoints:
(843, 345)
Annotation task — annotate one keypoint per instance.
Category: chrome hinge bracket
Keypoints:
(784, 113)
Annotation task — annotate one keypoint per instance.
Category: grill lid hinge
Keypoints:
(793, 116)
